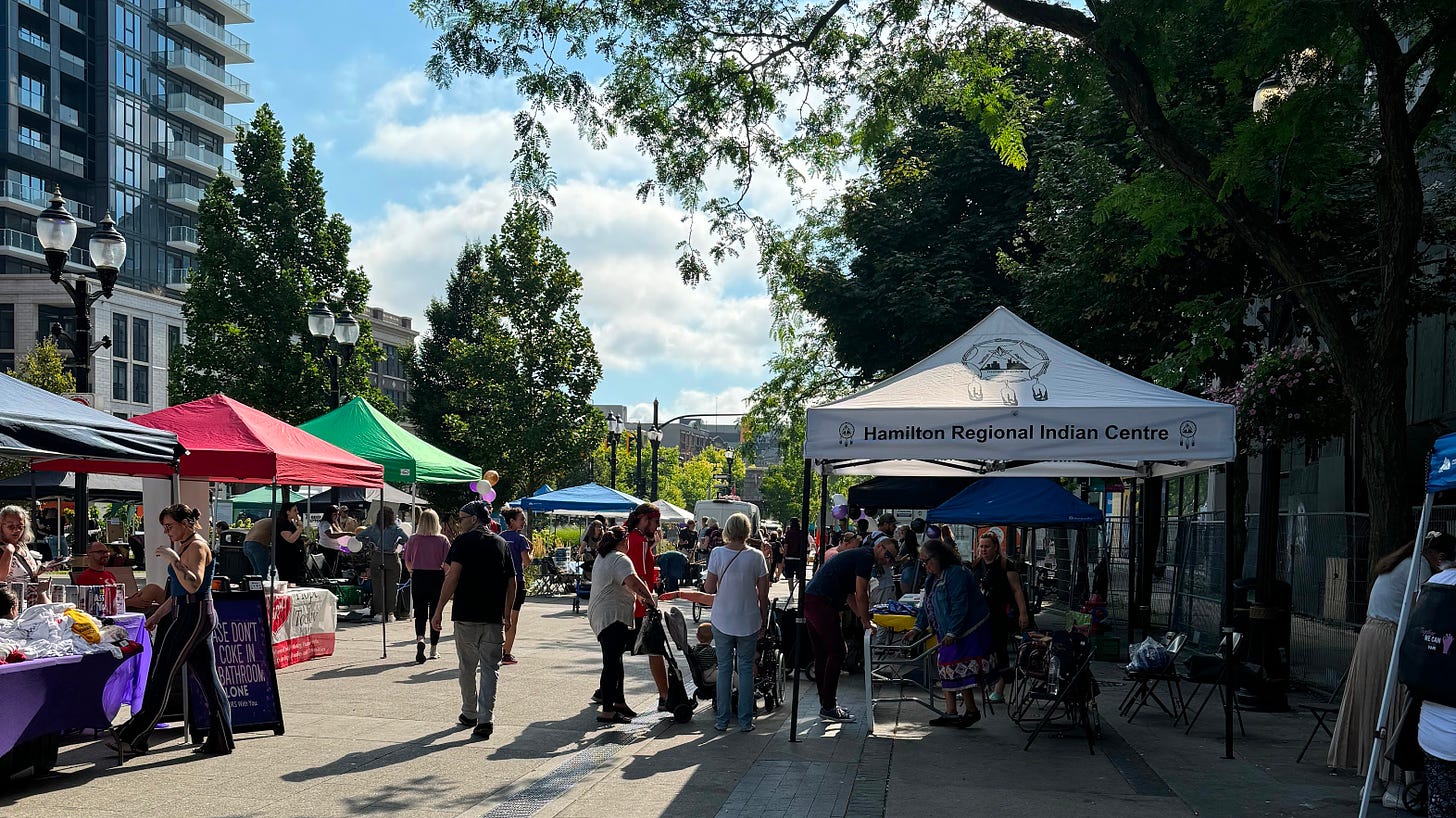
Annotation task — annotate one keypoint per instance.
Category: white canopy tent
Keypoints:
(676, 515)
(1006, 399)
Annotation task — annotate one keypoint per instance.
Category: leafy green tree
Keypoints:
(43, 367)
(504, 376)
(268, 251)
(924, 231)
(1325, 187)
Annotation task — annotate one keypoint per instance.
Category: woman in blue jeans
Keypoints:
(738, 579)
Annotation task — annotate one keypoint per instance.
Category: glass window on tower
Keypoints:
(118, 335)
(47, 315)
(7, 326)
(119, 377)
(34, 138)
(33, 93)
(128, 72)
(128, 27)
(141, 343)
(140, 383)
(174, 339)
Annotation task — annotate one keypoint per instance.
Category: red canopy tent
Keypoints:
(229, 442)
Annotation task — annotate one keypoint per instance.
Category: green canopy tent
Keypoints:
(360, 429)
(261, 501)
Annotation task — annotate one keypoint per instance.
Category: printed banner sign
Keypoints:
(244, 653)
(304, 621)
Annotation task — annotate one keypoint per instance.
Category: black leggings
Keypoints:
(185, 639)
(615, 639)
(425, 591)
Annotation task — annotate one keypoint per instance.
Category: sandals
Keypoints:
(615, 718)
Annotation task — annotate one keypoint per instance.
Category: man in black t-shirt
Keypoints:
(480, 568)
(687, 538)
(843, 579)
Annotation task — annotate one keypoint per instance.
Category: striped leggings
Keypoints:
(185, 639)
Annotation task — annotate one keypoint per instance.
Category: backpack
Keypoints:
(1428, 651)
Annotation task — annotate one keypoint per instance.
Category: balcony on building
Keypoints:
(227, 44)
(33, 200)
(178, 278)
(21, 244)
(212, 76)
(67, 115)
(68, 16)
(197, 158)
(232, 11)
(204, 115)
(72, 64)
(183, 237)
(72, 163)
(185, 196)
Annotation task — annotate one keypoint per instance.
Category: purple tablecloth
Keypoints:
(45, 697)
(129, 682)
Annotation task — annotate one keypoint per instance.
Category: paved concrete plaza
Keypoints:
(371, 736)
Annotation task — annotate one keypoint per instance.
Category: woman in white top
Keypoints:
(615, 589)
(1365, 680)
(1438, 721)
(17, 562)
(331, 535)
(738, 578)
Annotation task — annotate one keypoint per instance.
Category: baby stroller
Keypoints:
(700, 670)
(652, 641)
(768, 681)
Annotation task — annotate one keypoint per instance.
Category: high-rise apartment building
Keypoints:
(123, 104)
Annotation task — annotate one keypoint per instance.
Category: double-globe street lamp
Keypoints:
(343, 330)
(56, 229)
(614, 435)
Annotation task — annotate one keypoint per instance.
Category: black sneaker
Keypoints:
(419, 653)
(483, 731)
(466, 721)
(836, 714)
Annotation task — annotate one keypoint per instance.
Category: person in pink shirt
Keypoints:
(424, 555)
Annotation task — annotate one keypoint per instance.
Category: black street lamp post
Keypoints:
(56, 229)
(729, 454)
(641, 481)
(655, 436)
(614, 434)
(344, 332)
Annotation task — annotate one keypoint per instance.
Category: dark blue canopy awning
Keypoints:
(37, 424)
(1442, 474)
(1015, 501)
(591, 498)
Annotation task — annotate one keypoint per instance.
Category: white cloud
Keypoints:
(732, 400)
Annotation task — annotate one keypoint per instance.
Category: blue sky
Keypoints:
(418, 172)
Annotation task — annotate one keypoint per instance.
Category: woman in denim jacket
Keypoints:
(956, 612)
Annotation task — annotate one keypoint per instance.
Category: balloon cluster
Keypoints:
(844, 511)
(487, 491)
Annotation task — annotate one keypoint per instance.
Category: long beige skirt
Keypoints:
(1360, 708)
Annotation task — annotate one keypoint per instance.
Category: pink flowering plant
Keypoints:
(1285, 396)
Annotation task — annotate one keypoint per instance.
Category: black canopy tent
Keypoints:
(112, 488)
(907, 492)
(38, 425)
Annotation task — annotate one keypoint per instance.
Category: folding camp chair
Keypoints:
(1146, 682)
(1211, 675)
(1323, 711)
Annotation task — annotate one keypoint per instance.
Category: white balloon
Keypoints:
(838, 500)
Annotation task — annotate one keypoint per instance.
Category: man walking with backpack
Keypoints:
(479, 567)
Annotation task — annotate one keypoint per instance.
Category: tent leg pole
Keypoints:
(823, 522)
(1231, 568)
(799, 612)
(1388, 698)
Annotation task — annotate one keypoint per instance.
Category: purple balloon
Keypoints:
(474, 487)
(489, 494)
(839, 512)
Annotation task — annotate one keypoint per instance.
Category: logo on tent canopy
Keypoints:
(1186, 430)
(1445, 465)
(846, 434)
(1006, 362)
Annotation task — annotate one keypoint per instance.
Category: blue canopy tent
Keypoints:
(590, 498)
(544, 489)
(1440, 476)
(1034, 501)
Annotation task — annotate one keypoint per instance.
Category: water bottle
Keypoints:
(1054, 673)
(272, 576)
